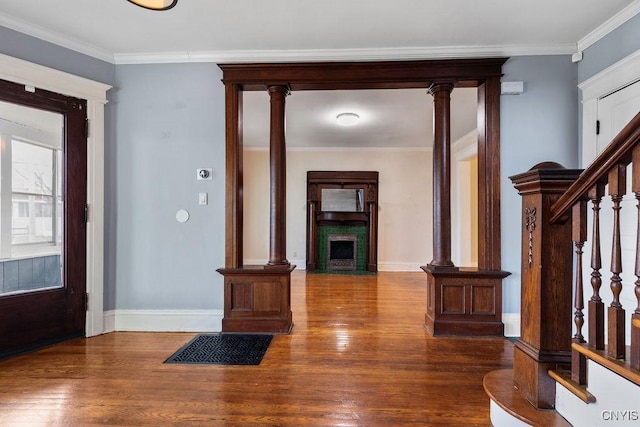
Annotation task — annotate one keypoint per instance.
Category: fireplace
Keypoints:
(344, 205)
(341, 253)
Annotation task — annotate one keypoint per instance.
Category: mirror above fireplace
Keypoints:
(342, 200)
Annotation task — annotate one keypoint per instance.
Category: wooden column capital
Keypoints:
(279, 89)
(440, 89)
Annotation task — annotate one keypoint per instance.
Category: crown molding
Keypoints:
(608, 26)
(55, 38)
(373, 54)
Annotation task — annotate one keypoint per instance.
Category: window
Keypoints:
(31, 181)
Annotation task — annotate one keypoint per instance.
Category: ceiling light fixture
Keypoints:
(347, 119)
(155, 4)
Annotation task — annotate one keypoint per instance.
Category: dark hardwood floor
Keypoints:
(358, 356)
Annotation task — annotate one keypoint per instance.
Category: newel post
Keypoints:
(546, 283)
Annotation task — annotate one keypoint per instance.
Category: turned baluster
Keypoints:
(596, 306)
(615, 312)
(579, 236)
(635, 317)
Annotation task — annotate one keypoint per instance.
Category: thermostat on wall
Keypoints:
(204, 173)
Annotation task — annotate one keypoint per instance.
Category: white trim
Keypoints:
(382, 266)
(502, 418)
(511, 324)
(55, 38)
(617, 76)
(612, 78)
(609, 25)
(164, 320)
(400, 266)
(27, 73)
(351, 149)
(95, 223)
(366, 54)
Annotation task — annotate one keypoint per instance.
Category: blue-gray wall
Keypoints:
(168, 121)
(615, 46)
(539, 125)
(163, 121)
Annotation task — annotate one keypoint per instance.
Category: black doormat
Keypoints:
(223, 349)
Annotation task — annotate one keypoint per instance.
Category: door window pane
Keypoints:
(31, 199)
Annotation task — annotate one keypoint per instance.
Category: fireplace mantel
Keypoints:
(364, 212)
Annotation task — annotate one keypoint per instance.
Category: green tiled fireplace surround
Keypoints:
(359, 231)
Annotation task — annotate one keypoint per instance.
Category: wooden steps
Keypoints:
(499, 386)
(620, 367)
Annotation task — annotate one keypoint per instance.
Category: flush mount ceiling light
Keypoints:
(347, 119)
(155, 4)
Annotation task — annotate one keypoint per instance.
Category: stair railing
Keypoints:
(609, 168)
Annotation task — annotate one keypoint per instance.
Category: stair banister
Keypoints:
(619, 151)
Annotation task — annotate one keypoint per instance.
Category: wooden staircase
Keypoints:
(555, 363)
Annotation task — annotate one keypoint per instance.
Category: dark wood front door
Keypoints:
(43, 166)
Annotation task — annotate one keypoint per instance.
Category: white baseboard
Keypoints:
(400, 266)
(163, 320)
(511, 324)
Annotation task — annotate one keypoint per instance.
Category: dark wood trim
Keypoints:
(363, 75)
(489, 255)
(233, 180)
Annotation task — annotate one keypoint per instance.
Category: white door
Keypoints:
(614, 112)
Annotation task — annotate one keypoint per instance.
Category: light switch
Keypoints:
(203, 199)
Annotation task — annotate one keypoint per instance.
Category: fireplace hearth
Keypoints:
(341, 253)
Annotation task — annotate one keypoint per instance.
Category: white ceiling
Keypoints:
(301, 30)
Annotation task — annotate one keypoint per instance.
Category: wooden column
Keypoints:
(256, 298)
(546, 284)
(233, 183)
(277, 156)
(441, 174)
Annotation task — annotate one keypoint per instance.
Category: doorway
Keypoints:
(43, 196)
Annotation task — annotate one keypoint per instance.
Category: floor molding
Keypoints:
(163, 320)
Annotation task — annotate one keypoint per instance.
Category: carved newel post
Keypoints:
(546, 284)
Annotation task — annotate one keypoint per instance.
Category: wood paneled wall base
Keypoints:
(545, 330)
(464, 301)
(257, 299)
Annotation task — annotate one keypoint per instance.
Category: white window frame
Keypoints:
(29, 74)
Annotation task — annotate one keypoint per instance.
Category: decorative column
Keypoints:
(257, 298)
(464, 301)
(277, 158)
(441, 174)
